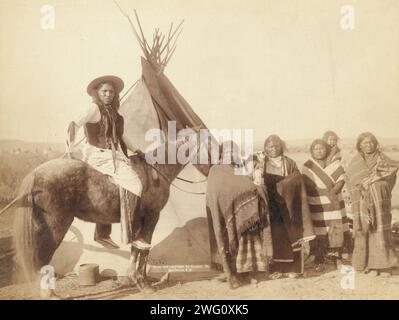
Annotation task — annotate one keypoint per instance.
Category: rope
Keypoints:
(128, 90)
(66, 154)
(181, 179)
(171, 182)
(163, 176)
(190, 192)
(192, 182)
(8, 206)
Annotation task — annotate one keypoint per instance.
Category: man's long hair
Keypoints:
(115, 104)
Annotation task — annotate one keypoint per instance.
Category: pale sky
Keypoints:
(281, 66)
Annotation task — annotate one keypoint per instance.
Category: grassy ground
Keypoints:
(6, 250)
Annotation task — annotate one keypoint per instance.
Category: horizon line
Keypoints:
(255, 141)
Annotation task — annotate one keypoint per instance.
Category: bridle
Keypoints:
(162, 174)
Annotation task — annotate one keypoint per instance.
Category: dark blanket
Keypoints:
(288, 206)
(234, 201)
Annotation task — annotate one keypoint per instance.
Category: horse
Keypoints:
(60, 190)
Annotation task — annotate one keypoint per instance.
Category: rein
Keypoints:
(181, 179)
(66, 154)
(191, 181)
(171, 182)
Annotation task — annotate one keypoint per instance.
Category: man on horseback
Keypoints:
(106, 151)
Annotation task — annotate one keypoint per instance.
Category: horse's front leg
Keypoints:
(142, 281)
(150, 221)
(132, 270)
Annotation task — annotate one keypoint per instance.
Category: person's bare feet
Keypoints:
(385, 273)
(338, 264)
(373, 273)
(275, 275)
(319, 267)
(292, 275)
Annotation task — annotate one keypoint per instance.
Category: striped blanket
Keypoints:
(334, 155)
(327, 208)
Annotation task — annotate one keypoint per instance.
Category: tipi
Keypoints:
(181, 240)
(150, 103)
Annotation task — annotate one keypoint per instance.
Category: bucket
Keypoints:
(88, 274)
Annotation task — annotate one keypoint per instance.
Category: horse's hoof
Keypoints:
(145, 287)
(129, 281)
(46, 294)
(148, 290)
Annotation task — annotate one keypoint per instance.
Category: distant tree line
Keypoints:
(305, 148)
(14, 166)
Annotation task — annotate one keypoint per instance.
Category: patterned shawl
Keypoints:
(235, 200)
(362, 175)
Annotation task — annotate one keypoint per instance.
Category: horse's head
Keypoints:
(196, 146)
(190, 145)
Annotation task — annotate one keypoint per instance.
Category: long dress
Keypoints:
(327, 208)
(289, 214)
(371, 182)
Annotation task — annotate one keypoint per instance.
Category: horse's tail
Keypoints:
(24, 242)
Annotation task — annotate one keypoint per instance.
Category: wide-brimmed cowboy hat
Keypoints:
(116, 81)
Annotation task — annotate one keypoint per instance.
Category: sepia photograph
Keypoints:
(199, 150)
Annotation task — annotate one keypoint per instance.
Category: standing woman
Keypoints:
(372, 176)
(239, 231)
(324, 181)
(332, 140)
(289, 213)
